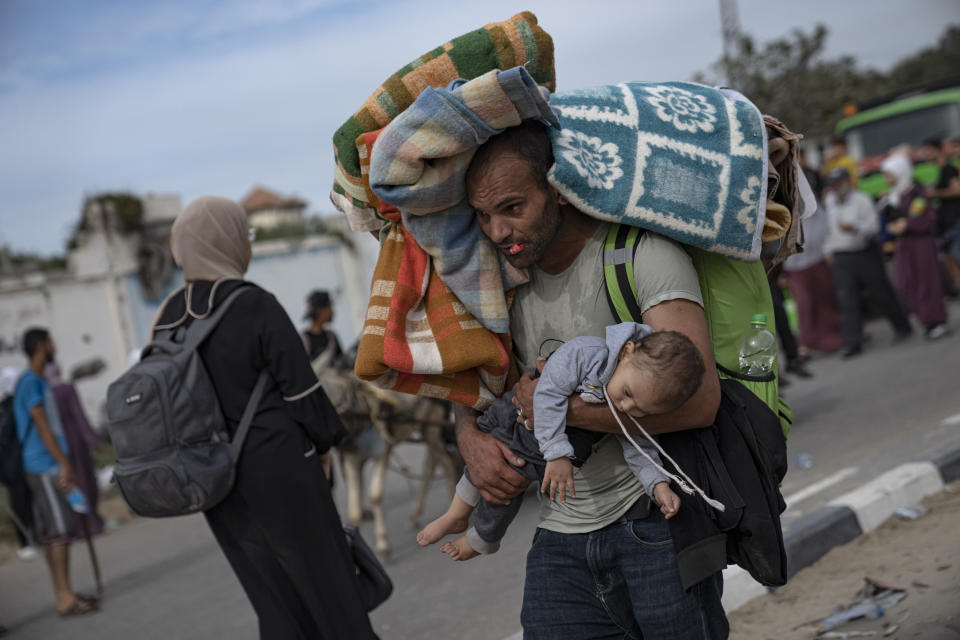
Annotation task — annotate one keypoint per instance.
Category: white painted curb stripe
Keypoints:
(952, 420)
(819, 486)
(905, 485)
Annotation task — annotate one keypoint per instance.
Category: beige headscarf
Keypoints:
(210, 240)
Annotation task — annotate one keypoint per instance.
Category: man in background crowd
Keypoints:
(858, 261)
(837, 157)
(48, 470)
(318, 340)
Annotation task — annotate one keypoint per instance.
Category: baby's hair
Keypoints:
(675, 362)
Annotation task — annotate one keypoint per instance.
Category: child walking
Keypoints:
(642, 373)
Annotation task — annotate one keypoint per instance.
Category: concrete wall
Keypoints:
(87, 318)
(107, 317)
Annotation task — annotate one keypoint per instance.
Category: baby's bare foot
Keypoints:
(459, 549)
(442, 526)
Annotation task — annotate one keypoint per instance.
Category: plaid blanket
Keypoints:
(418, 165)
(438, 305)
(418, 337)
(518, 41)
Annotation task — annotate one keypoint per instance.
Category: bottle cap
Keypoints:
(758, 318)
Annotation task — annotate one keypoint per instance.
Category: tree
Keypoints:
(789, 77)
(928, 65)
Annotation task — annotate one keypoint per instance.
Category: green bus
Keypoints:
(872, 133)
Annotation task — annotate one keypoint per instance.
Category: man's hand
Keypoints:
(65, 481)
(846, 227)
(558, 478)
(523, 395)
(487, 459)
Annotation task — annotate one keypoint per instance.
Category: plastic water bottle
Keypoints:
(77, 501)
(758, 348)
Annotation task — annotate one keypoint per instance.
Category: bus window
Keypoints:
(913, 127)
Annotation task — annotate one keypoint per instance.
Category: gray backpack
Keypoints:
(174, 454)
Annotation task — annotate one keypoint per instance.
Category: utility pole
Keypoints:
(730, 22)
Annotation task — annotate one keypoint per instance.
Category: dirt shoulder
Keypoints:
(921, 556)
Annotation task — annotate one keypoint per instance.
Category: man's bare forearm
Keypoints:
(692, 415)
(39, 417)
(464, 418)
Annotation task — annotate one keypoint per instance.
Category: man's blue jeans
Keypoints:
(619, 582)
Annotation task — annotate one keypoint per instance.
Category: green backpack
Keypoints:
(732, 292)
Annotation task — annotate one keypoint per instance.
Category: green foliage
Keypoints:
(307, 227)
(790, 79)
(23, 261)
(123, 211)
(928, 65)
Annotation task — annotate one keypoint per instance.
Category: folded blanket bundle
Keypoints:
(416, 331)
(684, 160)
(681, 159)
(418, 337)
(518, 41)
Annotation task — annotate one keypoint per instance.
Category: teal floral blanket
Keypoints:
(681, 159)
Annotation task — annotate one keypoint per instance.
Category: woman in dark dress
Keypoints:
(913, 221)
(278, 527)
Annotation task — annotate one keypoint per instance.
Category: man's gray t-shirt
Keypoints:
(573, 303)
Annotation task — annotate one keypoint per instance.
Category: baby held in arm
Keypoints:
(635, 371)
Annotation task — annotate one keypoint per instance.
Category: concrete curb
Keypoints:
(814, 534)
(851, 515)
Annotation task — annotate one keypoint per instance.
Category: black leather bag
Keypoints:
(375, 584)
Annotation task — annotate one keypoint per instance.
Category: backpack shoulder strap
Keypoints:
(246, 419)
(618, 251)
(198, 331)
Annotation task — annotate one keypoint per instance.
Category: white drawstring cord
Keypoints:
(690, 488)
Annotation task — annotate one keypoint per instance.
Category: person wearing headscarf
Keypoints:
(278, 527)
(811, 283)
(81, 439)
(912, 221)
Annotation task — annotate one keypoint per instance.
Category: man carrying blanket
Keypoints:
(603, 564)
(493, 200)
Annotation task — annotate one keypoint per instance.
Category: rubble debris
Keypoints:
(870, 601)
(911, 512)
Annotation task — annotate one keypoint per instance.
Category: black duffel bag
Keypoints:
(375, 584)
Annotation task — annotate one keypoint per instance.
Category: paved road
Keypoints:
(166, 579)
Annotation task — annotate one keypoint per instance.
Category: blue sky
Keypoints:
(215, 97)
